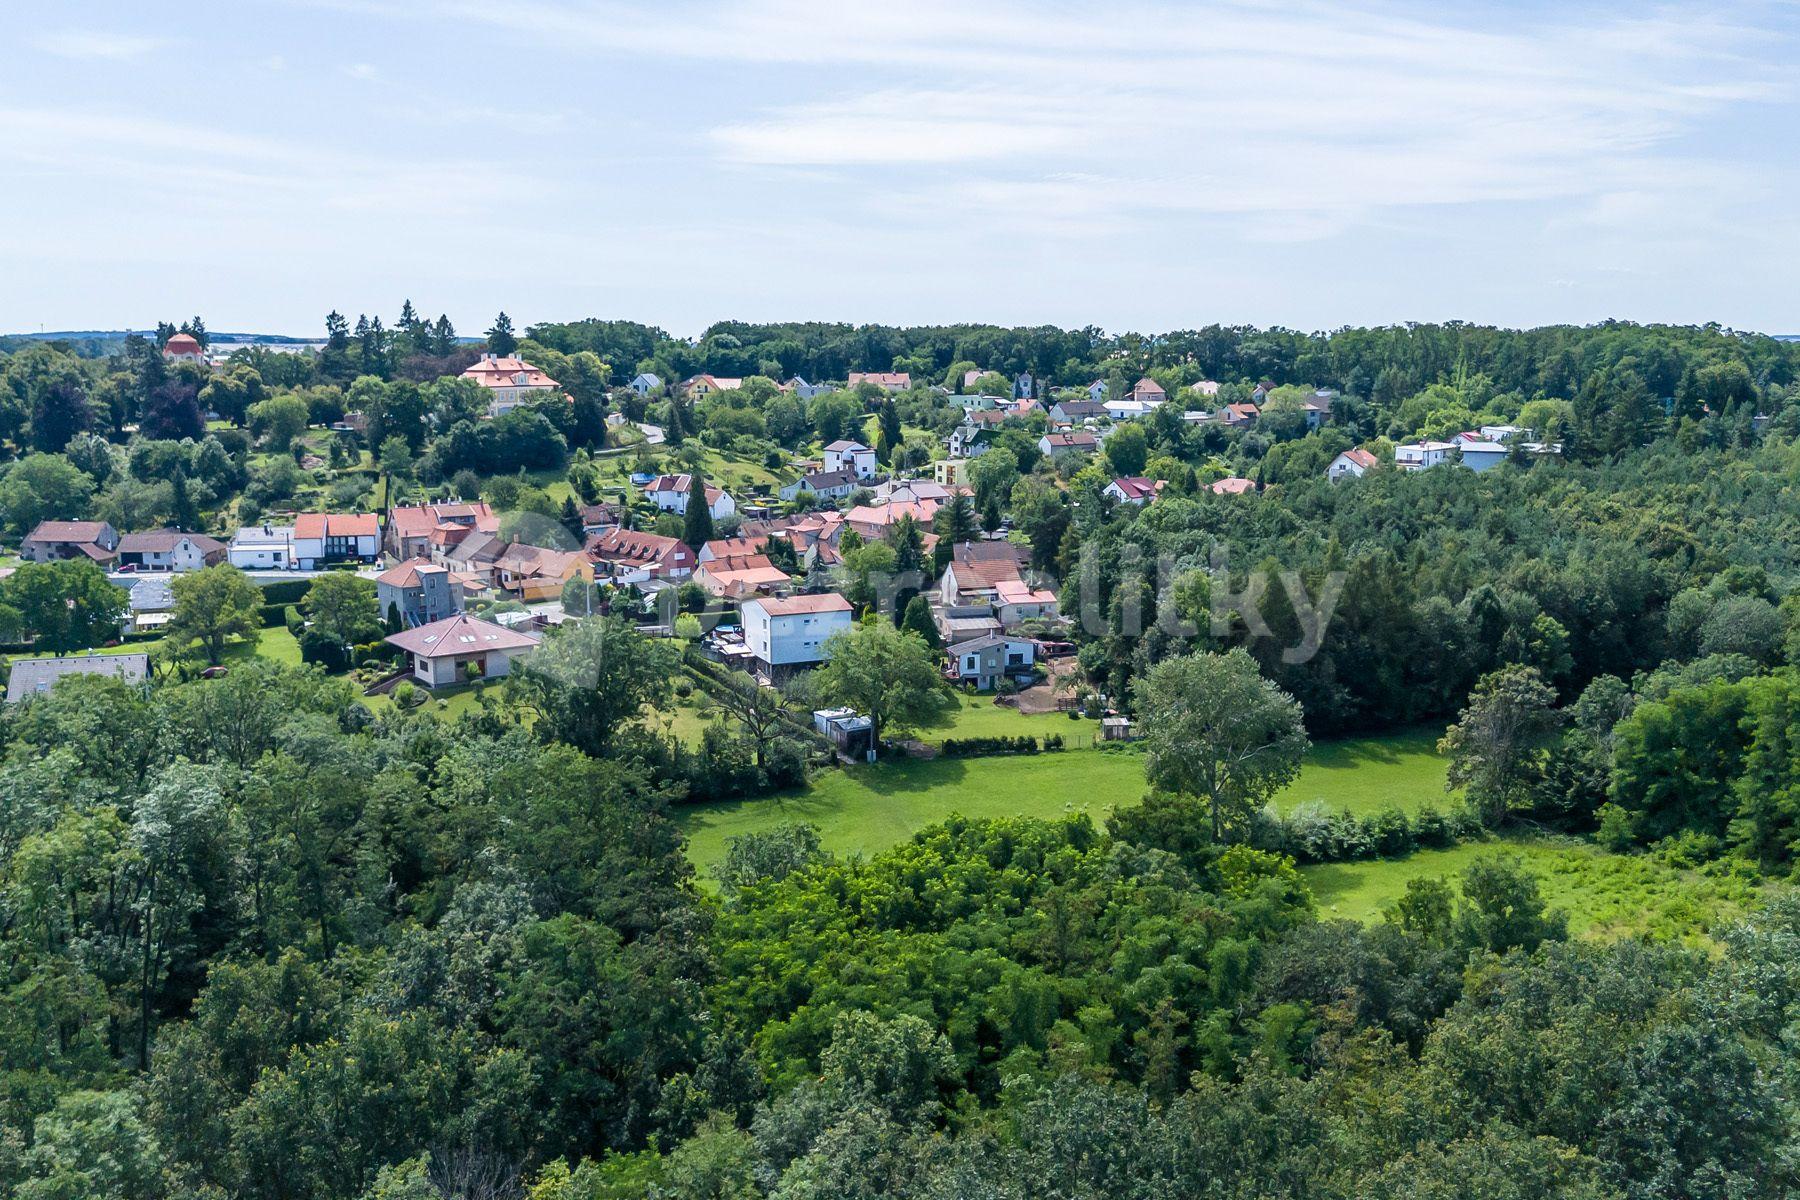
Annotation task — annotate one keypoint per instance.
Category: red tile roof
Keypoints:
(407, 573)
(793, 605)
(321, 525)
(1233, 486)
(507, 372)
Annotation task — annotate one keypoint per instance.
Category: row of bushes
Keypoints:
(1312, 834)
(984, 747)
(286, 591)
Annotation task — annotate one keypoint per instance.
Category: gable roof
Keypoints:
(1080, 439)
(983, 574)
(796, 605)
(493, 371)
(460, 634)
(820, 481)
(1233, 485)
(408, 522)
(682, 485)
(322, 525)
(843, 444)
(1137, 487)
(633, 545)
(1362, 458)
(896, 379)
(407, 574)
(67, 531)
(162, 541)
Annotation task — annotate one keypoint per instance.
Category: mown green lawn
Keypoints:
(976, 715)
(1605, 895)
(1365, 775)
(869, 808)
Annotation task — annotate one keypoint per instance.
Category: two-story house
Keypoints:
(52, 541)
(321, 539)
(632, 556)
(413, 532)
(169, 550)
(262, 548)
(417, 592)
(509, 381)
(858, 459)
(785, 635)
(986, 661)
(670, 494)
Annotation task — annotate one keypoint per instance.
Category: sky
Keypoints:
(1137, 166)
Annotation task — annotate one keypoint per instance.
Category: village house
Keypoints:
(53, 541)
(1481, 455)
(892, 381)
(1353, 463)
(735, 576)
(152, 603)
(873, 522)
(29, 677)
(1317, 408)
(461, 648)
(262, 548)
(986, 661)
(1066, 414)
(472, 556)
(1134, 489)
(632, 556)
(531, 573)
(972, 438)
(598, 518)
(645, 383)
(844, 455)
(169, 550)
(1238, 416)
(1233, 485)
(825, 485)
(805, 390)
(950, 472)
(785, 635)
(702, 386)
(1096, 391)
(1016, 601)
(1208, 388)
(670, 494)
(1148, 391)
(510, 382)
(415, 532)
(733, 547)
(321, 539)
(1078, 442)
(975, 571)
(1421, 456)
(184, 347)
(417, 592)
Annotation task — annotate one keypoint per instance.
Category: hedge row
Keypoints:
(1313, 835)
(286, 591)
(983, 747)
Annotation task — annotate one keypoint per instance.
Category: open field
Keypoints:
(1605, 895)
(868, 809)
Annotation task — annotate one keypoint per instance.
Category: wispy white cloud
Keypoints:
(96, 44)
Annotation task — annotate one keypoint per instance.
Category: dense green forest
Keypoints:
(261, 937)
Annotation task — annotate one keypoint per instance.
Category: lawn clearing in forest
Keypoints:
(1605, 895)
(867, 809)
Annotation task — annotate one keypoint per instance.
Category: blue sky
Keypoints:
(1137, 166)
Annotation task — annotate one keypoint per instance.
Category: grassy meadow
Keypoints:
(1605, 895)
(866, 809)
